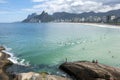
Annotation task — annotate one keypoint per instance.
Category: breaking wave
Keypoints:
(15, 59)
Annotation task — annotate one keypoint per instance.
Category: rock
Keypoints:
(4, 64)
(2, 48)
(84, 70)
(38, 76)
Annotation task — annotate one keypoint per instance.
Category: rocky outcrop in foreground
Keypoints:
(84, 70)
(4, 64)
(38, 76)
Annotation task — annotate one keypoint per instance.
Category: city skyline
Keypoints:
(17, 10)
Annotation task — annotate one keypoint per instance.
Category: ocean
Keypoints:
(44, 46)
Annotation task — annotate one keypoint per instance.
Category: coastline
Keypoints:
(103, 25)
(80, 70)
(5, 63)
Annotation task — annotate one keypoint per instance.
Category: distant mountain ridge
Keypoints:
(59, 16)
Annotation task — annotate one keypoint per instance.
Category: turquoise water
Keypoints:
(52, 43)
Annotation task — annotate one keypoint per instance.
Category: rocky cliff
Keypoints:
(84, 70)
(4, 64)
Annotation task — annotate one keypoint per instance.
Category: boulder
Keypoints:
(4, 64)
(85, 70)
(2, 48)
(38, 76)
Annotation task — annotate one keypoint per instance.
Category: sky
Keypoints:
(17, 10)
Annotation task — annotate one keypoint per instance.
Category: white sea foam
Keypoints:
(15, 59)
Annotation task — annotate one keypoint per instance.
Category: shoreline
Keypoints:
(103, 25)
(86, 70)
(5, 63)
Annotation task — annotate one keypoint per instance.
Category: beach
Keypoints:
(102, 25)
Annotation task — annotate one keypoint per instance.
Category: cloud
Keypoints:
(108, 2)
(3, 1)
(74, 6)
(108, 8)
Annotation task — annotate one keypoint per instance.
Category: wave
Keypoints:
(15, 59)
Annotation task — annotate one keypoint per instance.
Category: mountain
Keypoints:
(32, 15)
(71, 17)
(64, 15)
(43, 17)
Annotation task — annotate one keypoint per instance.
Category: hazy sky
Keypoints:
(17, 10)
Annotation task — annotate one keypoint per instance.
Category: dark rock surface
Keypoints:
(84, 70)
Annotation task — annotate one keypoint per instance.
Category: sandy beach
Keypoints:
(95, 24)
(101, 25)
